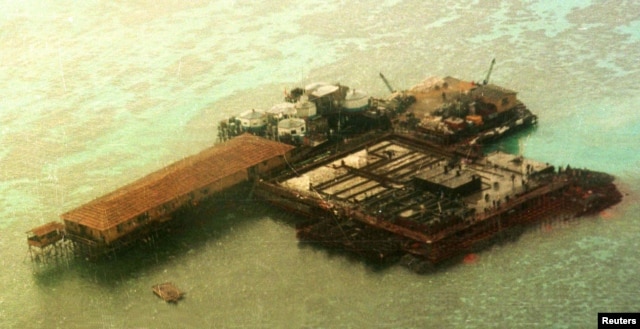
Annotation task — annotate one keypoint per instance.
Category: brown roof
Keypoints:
(177, 179)
(46, 228)
(492, 92)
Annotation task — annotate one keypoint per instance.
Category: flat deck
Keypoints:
(429, 93)
(379, 180)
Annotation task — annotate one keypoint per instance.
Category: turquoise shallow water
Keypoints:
(96, 94)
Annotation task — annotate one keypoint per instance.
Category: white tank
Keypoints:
(355, 101)
(293, 126)
(253, 119)
(304, 108)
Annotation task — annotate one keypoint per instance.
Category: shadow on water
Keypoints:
(413, 264)
(293, 221)
(417, 265)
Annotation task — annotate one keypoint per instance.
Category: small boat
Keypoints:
(168, 292)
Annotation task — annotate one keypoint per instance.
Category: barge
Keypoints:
(384, 178)
(397, 195)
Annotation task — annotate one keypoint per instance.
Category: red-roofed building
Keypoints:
(152, 199)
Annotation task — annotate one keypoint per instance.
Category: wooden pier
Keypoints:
(139, 210)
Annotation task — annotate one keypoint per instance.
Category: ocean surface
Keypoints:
(95, 94)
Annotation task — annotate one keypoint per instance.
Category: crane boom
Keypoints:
(386, 82)
(486, 80)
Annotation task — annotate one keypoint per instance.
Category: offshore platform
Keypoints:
(401, 177)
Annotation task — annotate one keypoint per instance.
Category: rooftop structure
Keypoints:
(46, 243)
(153, 198)
(45, 235)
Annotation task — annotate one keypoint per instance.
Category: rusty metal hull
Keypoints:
(340, 218)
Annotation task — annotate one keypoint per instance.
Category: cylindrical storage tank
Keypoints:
(293, 126)
(304, 108)
(355, 101)
(282, 110)
(253, 120)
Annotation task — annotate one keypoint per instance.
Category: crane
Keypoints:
(486, 80)
(386, 83)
